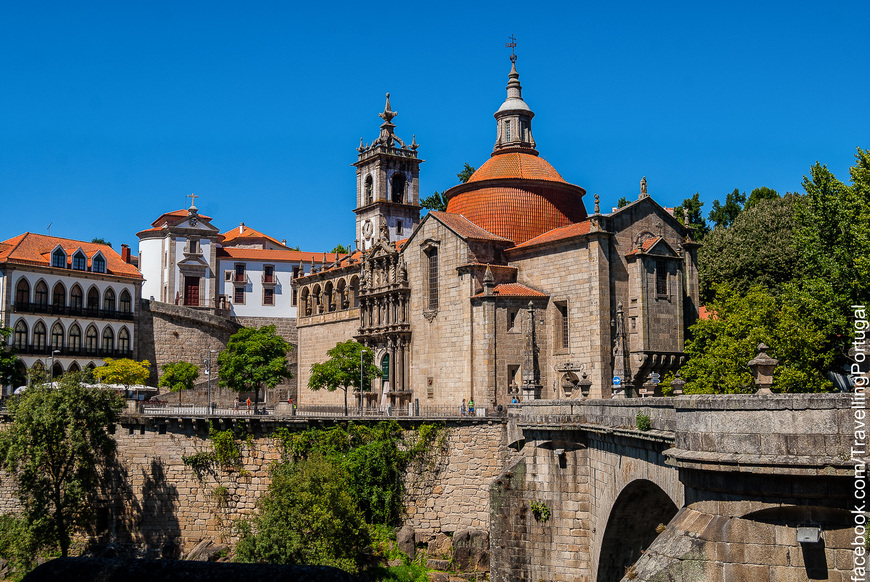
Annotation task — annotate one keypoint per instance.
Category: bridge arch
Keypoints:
(631, 527)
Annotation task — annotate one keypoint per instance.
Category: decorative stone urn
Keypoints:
(762, 367)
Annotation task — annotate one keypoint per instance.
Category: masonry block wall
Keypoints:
(317, 335)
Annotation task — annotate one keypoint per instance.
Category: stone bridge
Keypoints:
(714, 489)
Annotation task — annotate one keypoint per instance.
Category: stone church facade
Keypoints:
(513, 292)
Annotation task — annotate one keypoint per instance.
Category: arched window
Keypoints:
(123, 340)
(341, 294)
(75, 338)
(56, 370)
(75, 299)
(108, 340)
(398, 187)
(98, 264)
(93, 300)
(80, 261)
(40, 294)
(39, 334)
(91, 340)
(56, 336)
(126, 302)
(58, 259)
(20, 335)
(22, 292)
(369, 191)
(74, 367)
(317, 300)
(305, 301)
(109, 300)
(58, 296)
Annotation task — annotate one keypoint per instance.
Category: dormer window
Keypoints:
(80, 261)
(98, 265)
(58, 259)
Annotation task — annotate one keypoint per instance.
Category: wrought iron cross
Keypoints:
(512, 45)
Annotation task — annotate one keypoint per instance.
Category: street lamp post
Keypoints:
(53, 352)
(361, 379)
(208, 379)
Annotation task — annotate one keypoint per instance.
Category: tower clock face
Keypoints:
(367, 229)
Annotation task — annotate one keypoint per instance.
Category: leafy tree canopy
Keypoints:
(10, 372)
(465, 173)
(623, 201)
(254, 357)
(342, 369)
(123, 371)
(341, 249)
(178, 376)
(759, 248)
(797, 325)
(724, 214)
(55, 446)
(696, 218)
(759, 194)
(308, 516)
(101, 241)
(434, 202)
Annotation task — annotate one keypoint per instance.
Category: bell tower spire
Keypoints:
(514, 117)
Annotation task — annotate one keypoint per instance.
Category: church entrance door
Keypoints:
(191, 291)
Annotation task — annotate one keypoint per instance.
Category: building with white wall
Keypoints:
(69, 303)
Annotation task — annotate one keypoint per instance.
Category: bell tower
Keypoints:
(387, 185)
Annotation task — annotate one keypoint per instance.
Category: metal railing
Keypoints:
(317, 411)
(74, 310)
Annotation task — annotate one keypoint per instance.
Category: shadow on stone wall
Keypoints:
(120, 522)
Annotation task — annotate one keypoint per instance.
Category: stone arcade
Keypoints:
(514, 291)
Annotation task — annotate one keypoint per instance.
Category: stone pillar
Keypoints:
(400, 365)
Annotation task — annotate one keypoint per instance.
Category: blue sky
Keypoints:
(112, 112)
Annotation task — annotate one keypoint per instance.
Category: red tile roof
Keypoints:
(704, 313)
(233, 236)
(557, 234)
(175, 217)
(465, 228)
(516, 165)
(35, 249)
(273, 255)
(515, 290)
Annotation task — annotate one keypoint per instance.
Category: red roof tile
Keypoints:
(175, 217)
(515, 290)
(35, 249)
(273, 255)
(557, 234)
(465, 228)
(233, 236)
(516, 165)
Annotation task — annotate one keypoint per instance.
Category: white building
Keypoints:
(69, 303)
(241, 273)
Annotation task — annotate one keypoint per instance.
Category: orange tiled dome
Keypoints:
(516, 165)
(517, 196)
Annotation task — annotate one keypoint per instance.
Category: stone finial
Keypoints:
(677, 385)
(414, 144)
(388, 113)
(762, 367)
(597, 204)
(361, 147)
(686, 216)
(488, 282)
(643, 192)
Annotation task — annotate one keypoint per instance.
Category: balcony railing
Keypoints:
(46, 350)
(74, 311)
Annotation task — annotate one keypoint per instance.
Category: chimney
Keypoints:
(284, 241)
(241, 227)
(125, 253)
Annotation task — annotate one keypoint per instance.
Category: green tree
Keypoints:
(178, 376)
(696, 218)
(55, 447)
(434, 202)
(759, 248)
(101, 241)
(10, 372)
(623, 201)
(254, 357)
(123, 371)
(465, 173)
(308, 516)
(342, 370)
(796, 325)
(760, 194)
(340, 249)
(724, 214)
